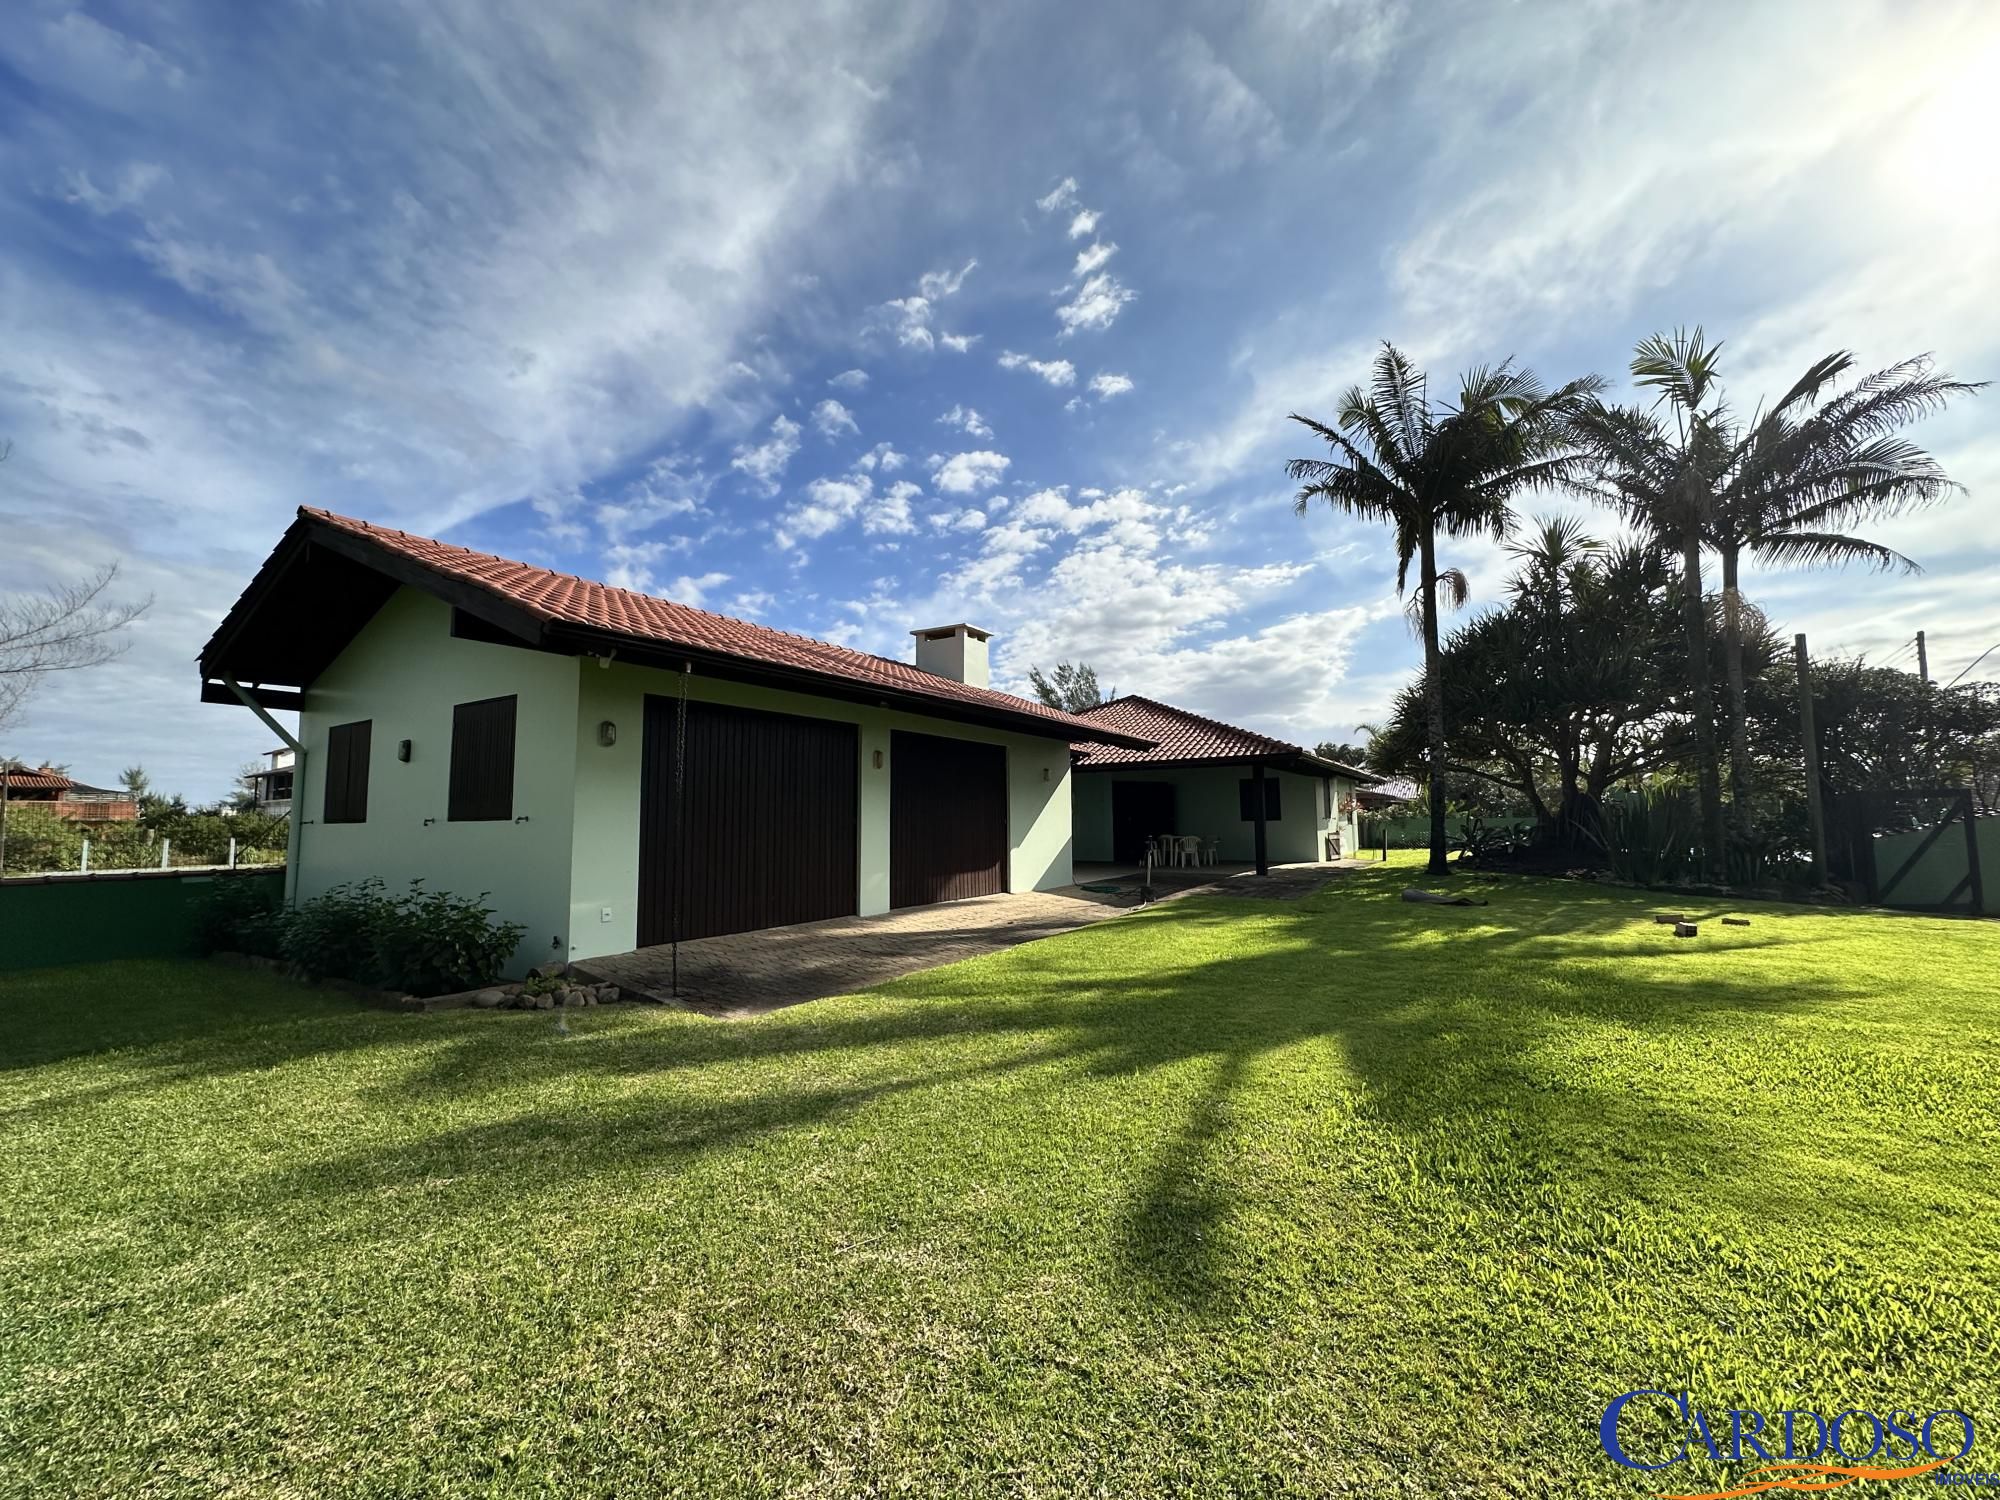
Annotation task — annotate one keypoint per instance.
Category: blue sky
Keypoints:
(852, 318)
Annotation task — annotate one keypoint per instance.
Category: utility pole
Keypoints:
(1815, 812)
(1923, 661)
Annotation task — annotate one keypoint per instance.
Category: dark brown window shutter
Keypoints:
(482, 761)
(347, 772)
(1246, 800)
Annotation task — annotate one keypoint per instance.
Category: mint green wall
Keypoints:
(77, 919)
(605, 851)
(575, 855)
(1942, 868)
(405, 672)
(1208, 804)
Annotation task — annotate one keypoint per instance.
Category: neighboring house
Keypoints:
(270, 785)
(52, 789)
(1263, 800)
(1390, 796)
(489, 726)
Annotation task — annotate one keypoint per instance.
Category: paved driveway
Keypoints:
(749, 973)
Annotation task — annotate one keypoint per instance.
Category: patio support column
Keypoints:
(1257, 802)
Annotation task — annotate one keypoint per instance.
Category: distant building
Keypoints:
(270, 786)
(50, 788)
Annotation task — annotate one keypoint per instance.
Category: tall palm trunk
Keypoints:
(1707, 758)
(1433, 694)
(1739, 713)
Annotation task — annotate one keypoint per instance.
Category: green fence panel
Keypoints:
(76, 919)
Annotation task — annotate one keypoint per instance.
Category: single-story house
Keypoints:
(615, 769)
(1262, 800)
(67, 798)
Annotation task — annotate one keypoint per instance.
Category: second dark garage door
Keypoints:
(770, 807)
(947, 819)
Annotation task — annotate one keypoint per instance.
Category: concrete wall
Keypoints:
(605, 852)
(1209, 805)
(405, 672)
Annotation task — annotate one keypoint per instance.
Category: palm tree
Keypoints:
(1424, 468)
(1802, 473)
(1665, 477)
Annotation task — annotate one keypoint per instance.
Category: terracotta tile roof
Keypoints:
(38, 781)
(1180, 737)
(561, 598)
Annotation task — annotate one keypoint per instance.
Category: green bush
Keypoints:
(432, 942)
(38, 840)
(242, 916)
(422, 942)
(1651, 837)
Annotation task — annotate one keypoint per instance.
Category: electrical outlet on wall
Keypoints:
(604, 915)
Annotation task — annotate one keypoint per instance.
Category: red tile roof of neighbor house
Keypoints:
(1181, 737)
(564, 599)
(43, 780)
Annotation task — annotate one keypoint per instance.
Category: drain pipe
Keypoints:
(298, 784)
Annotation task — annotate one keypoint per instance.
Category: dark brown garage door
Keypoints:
(947, 819)
(770, 813)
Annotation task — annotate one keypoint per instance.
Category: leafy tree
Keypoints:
(1425, 468)
(1802, 473)
(1663, 475)
(1071, 689)
(136, 782)
(1572, 686)
(1346, 753)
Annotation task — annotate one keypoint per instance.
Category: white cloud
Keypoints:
(1104, 385)
(890, 514)
(1230, 119)
(968, 473)
(1054, 371)
(1093, 256)
(671, 487)
(935, 286)
(1096, 304)
(1084, 223)
(828, 505)
(909, 318)
(695, 591)
(882, 457)
(830, 419)
(631, 564)
(850, 380)
(1062, 195)
(750, 605)
(765, 462)
(968, 421)
(959, 343)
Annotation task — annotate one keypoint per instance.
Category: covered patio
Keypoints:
(1241, 798)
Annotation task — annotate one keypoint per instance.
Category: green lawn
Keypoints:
(1336, 1197)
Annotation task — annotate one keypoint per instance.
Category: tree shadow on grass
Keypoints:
(1441, 1039)
(1435, 1024)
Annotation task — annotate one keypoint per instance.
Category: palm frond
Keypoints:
(1825, 549)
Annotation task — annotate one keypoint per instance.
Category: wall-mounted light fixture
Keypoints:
(878, 760)
(402, 749)
(1045, 773)
(607, 732)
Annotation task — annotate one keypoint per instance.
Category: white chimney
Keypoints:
(954, 651)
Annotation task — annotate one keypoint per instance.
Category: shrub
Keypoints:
(38, 840)
(331, 936)
(242, 916)
(432, 942)
(1651, 837)
(423, 942)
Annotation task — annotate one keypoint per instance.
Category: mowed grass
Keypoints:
(1335, 1197)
